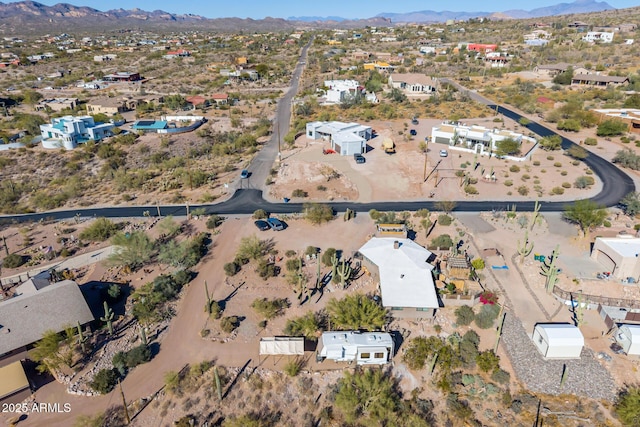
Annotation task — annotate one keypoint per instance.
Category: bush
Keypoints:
(557, 190)
(444, 219)
(317, 213)
(478, 263)
(508, 183)
(260, 214)
(488, 361)
(584, 182)
(606, 223)
(105, 380)
(299, 193)
(374, 214)
(229, 324)
(590, 141)
(557, 165)
(266, 269)
(470, 189)
(536, 163)
(443, 241)
(487, 315)
(270, 308)
(500, 376)
(464, 315)
(311, 250)
(100, 230)
(422, 213)
(321, 188)
(137, 356)
(627, 406)
(611, 128)
(215, 309)
(514, 168)
(231, 269)
(577, 152)
(214, 221)
(327, 255)
(523, 190)
(566, 185)
(13, 261)
(293, 367)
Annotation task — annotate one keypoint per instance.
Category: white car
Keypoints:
(443, 153)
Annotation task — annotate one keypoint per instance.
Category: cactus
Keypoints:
(525, 248)
(344, 271)
(432, 364)
(302, 284)
(499, 330)
(143, 336)
(81, 338)
(565, 374)
(108, 317)
(334, 265)
(318, 273)
(206, 290)
(578, 311)
(6, 248)
(550, 271)
(218, 384)
(535, 214)
(349, 214)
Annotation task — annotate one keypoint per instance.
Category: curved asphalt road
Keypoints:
(616, 183)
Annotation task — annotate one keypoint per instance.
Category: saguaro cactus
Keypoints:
(218, 384)
(82, 339)
(344, 271)
(143, 336)
(535, 214)
(525, 248)
(108, 317)
(206, 290)
(550, 271)
(334, 265)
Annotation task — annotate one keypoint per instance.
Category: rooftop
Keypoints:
(561, 334)
(627, 247)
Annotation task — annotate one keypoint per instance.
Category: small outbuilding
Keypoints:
(618, 255)
(628, 336)
(558, 340)
(364, 348)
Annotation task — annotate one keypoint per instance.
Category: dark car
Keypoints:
(275, 224)
(262, 225)
(414, 121)
(413, 132)
(244, 174)
(359, 158)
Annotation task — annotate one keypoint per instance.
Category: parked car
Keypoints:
(359, 158)
(262, 225)
(443, 153)
(275, 224)
(244, 174)
(413, 132)
(414, 121)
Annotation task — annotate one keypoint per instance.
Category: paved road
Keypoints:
(616, 183)
(263, 162)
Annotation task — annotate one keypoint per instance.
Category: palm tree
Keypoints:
(307, 326)
(356, 312)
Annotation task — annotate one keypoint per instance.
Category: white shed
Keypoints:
(628, 336)
(365, 348)
(558, 340)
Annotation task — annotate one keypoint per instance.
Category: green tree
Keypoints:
(627, 407)
(356, 311)
(133, 250)
(31, 97)
(105, 380)
(100, 230)
(564, 78)
(611, 127)
(252, 247)
(420, 349)
(307, 325)
(269, 309)
(488, 361)
(550, 143)
(577, 152)
(396, 95)
(631, 203)
(367, 396)
(587, 214)
(317, 213)
(48, 352)
(507, 147)
(464, 315)
(169, 226)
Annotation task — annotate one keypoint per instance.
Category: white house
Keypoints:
(558, 340)
(339, 91)
(628, 336)
(406, 281)
(365, 348)
(598, 37)
(477, 138)
(413, 83)
(618, 255)
(346, 138)
(69, 131)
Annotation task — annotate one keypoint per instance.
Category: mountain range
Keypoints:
(32, 17)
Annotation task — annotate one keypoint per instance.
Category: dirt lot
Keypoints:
(400, 176)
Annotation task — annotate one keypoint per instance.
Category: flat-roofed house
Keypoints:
(346, 138)
(618, 255)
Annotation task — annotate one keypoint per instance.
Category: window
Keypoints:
(540, 340)
(397, 308)
(423, 309)
(378, 355)
(365, 355)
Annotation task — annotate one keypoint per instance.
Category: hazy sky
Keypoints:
(258, 9)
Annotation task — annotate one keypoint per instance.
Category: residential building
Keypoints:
(619, 256)
(339, 91)
(69, 131)
(109, 106)
(57, 104)
(122, 77)
(598, 37)
(631, 116)
(103, 58)
(345, 138)
(551, 70)
(197, 101)
(413, 83)
(482, 48)
(180, 53)
(496, 59)
(628, 337)
(378, 66)
(477, 138)
(598, 80)
(364, 348)
(220, 98)
(406, 280)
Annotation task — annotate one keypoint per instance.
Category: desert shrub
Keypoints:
(536, 163)
(460, 408)
(422, 213)
(611, 127)
(100, 230)
(627, 406)
(317, 213)
(270, 308)
(214, 221)
(523, 190)
(470, 189)
(229, 324)
(464, 315)
(375, 214)
(293, 367)
(557, 165)
(606, 223)
(266, 269)
(231, 269)
(514, 168)
(105, 380)
(327, 255)
(469, 348)
(215, 309)
(478, 263)
(584, 182)
(563, 173)
(137, 356)
(508, 183)
(321, 188)
(566, 185)
(299, 193)
(590, 141)
(557, 190)
(260, 214)
(488, 361)
(290, 253)
(525, 177)
(444, 219)
(311, 250)
(550, 157)
(443, 241)
(13, 261)
(293, 264)
(487, 315)
(500, 376)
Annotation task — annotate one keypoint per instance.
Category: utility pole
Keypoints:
(124, 404)
(158, 206)
(424, 173)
